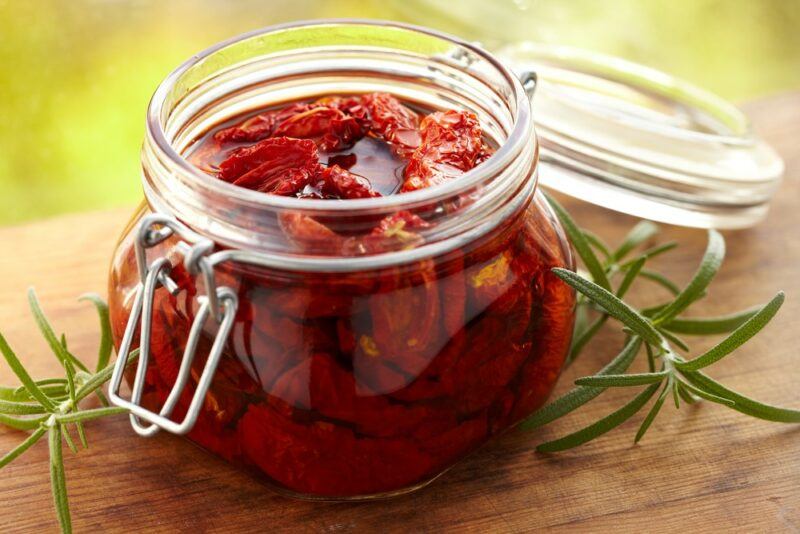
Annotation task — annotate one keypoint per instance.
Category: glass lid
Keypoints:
(639, 141)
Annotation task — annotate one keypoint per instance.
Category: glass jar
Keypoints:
(336, 375)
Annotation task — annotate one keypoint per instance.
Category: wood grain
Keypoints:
(700, 469)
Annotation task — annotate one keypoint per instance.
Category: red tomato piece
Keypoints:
(327, 459)
(393, 122)
(431, 383)
(328, 127)
(489, 281)
(453, 442)
(309, 235)
(253, 129)
(394, 232)
(405, 325)
(279, 165)
(450, 144)
(453, 287)
(335, 182)
(553, 336)
(333, 393)
(351, 106)
(258, 127)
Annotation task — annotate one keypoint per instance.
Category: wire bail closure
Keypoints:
(220, 303)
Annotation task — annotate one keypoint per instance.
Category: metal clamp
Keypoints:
(219, 302)
(529, 80)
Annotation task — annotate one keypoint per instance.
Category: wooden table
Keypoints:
(700, 468)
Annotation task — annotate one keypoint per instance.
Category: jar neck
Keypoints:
(307, 60)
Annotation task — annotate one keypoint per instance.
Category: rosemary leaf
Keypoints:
(82, 435)
(58, 481)
(661, 280)
(14, 453)
(47, 331)
(611, 304)
(706, 395)
(651, 361)
(685, 394)
(87, 415)
(651, 415)
(675, 340)
(743, 404)
(640, 233)
(103, 400)
(709, 265)
(633, 379)
(20, 408)
(709, 325)
(583, 338)
(602, 426)
(580, 395)
(597, 243)
(53, 391)
(649, 312)
(630, 276)
(14, 394)
(652, 253)
(71, 386)
(739, 336)
(582, 247)
(104, 353)
(676, 393)
(100, 378)
(68, 439)
(23, 375)
(19, 423)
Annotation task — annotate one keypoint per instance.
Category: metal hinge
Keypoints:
(219, 303)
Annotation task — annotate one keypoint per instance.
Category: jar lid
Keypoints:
(636, 140)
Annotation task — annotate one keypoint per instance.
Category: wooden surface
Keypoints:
(699, 469)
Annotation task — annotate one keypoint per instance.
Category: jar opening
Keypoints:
(308, 59)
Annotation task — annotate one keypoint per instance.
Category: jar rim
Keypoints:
(499, 160)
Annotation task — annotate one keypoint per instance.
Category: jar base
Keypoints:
(284, 492)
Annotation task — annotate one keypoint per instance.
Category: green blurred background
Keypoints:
(76, 76)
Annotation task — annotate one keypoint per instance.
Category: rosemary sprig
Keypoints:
(657, 330)
(51, 405)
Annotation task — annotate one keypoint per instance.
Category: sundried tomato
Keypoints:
(312, 457)
(309, 235)
(353, 106)
(393, 122)
(329, 128)
(453, 290)
(450, 144)
(394, 232)
(253, 129)
(278, 165)
(453, 442)
(432, 382)
(335, 182)
(260, 126)
(405, 333)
